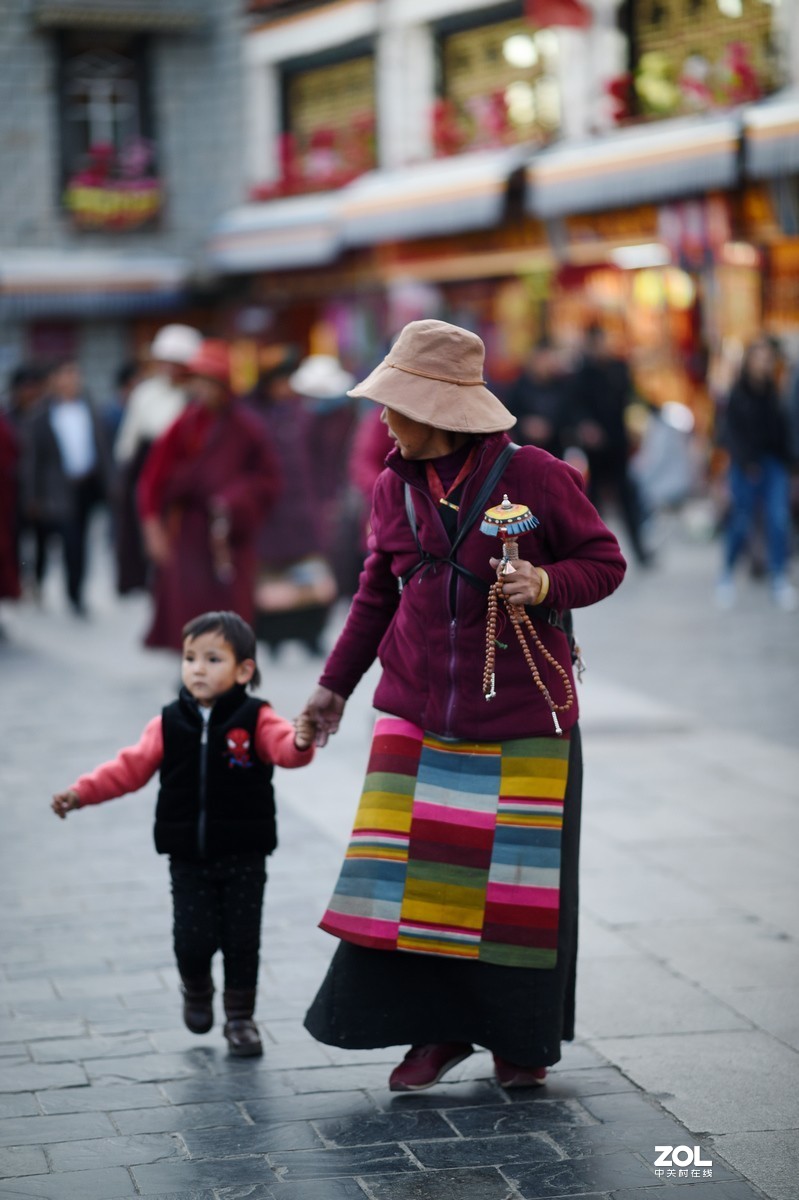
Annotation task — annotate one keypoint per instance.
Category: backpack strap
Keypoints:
(474, 513)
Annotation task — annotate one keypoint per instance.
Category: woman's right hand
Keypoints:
(325, 709)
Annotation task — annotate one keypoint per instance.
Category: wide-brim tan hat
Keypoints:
(434, 374)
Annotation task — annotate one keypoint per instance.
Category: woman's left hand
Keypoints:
(524, 585)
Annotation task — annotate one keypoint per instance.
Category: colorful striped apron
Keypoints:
(456, 848)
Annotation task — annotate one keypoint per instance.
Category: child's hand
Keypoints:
(65, 802)
(304, 731)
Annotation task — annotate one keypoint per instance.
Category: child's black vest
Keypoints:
(216, 795)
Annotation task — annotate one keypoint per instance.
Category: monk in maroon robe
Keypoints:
(205, 488)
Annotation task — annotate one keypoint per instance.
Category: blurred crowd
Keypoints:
(260, 503)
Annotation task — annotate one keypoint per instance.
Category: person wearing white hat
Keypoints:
(321, 377)
(152, 407)
(158, 400)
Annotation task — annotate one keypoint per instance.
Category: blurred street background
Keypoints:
(607, 192)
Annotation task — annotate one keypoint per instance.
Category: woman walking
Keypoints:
(756, 434)
(457, 901)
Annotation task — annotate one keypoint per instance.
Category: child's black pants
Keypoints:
(217, 906)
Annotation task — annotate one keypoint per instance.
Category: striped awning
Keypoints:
(653, 162)
(771, 136)
(39, 283)
(277, 235)
(447, 195)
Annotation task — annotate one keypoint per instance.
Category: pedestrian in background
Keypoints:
(457, 901)
(215, 748)
(289, 532)
(9, 532)
(66, 469)
(152, 406)
(296, 588)
(125, 380)
(755, 432)
(537, 399)
(204, 492)
(25, 390)
(599, 393)
(322, 382)
(370, 447)
(23, 395)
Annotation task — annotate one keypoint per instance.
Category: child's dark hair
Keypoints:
(235, 631)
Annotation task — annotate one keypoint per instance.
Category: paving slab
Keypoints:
(22, 1160)
(478, 1184)
(770, 1159)
(112, 1184)
(723, 1082)
(177, 1118)
(36, 1131)
(97, 1099)
(96, 1153)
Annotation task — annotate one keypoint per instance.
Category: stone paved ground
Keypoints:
(688, 1024)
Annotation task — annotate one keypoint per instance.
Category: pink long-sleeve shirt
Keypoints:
(134, 766)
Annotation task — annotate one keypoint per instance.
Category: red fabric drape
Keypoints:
(558, 12)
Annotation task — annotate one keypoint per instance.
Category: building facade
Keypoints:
(122, 134)
(520, 167)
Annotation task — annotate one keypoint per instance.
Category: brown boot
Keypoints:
(240, 1029)
(198, 1011)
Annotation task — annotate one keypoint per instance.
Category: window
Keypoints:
(109, 177)
(328, 134)
(499, 85)
(699, 55)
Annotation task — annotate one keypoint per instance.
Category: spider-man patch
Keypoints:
(238, 748)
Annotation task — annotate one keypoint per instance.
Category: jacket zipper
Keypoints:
(453, 624)
(453, 633)
(202, 820)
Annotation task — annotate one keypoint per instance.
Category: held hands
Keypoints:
(65, 802)
(324, 710)
(304, 731)
(525, 585)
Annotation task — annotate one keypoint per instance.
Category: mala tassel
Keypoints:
(508, 521)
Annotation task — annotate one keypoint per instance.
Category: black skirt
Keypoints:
(375, 998)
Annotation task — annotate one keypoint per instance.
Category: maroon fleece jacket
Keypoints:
(432, 651)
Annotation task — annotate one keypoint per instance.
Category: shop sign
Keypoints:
(695, 230)
(529, 234)
(617, 225)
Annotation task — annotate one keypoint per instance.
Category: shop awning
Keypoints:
(146, 16)
(277, 235)
(40, 283)
(447, 195)
(771, 136)
(652, 162)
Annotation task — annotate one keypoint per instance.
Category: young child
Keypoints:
(215, 747)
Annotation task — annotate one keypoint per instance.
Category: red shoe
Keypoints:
(423, 1066)
(510, 1076)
